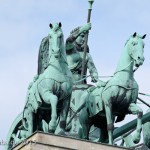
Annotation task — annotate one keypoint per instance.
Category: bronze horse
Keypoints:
(118, 97)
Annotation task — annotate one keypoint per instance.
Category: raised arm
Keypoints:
(75, 33)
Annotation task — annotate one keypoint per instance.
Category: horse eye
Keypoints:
(60, 36)
(50, 37)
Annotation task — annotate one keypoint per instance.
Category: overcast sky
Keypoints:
(24, 23)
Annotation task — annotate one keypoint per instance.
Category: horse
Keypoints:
(54, 85)
(49, 94)
(117, 98)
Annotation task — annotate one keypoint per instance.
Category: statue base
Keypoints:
(41, 141)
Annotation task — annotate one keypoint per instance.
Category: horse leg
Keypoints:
(64, 112)
(103, 130)
(53, 122)
(134, 109)
(85, 123)
(68, 128)
(109, 118)
(49, 97)
(86, 130)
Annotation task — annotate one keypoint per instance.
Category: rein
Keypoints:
(124, 68)
(118, 86)
(90, 76)
(128, 65)
(144, 94)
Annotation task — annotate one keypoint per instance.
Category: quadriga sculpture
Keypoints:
(48, 95)
(118, 97)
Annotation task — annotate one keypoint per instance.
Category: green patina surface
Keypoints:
(60, 101)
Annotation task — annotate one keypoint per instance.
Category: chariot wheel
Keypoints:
(10, 142)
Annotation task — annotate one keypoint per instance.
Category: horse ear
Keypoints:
(50, 25)
(134, 35)
(60, 25)
(143, 37)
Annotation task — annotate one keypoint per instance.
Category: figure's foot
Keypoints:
(52, 126)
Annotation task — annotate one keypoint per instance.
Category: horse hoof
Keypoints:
(52, 126)
(51, 131)
(136, 139)
(44, 126)
(62, 133)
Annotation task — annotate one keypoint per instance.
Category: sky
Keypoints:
(24, 23)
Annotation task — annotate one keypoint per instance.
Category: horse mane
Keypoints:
(137, 36)
(56, 28)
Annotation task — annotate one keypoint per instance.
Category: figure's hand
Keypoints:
(94, 78)
(85, 28)
(101, 83)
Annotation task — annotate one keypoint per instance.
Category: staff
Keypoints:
(86, 39)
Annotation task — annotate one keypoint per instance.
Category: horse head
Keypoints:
(135, 46)
(56, 42)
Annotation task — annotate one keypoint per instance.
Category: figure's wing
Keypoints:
(43, 57)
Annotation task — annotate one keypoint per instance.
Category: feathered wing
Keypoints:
(43, 57)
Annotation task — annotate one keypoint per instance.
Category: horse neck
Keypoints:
(59, 63)
(125, 66)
